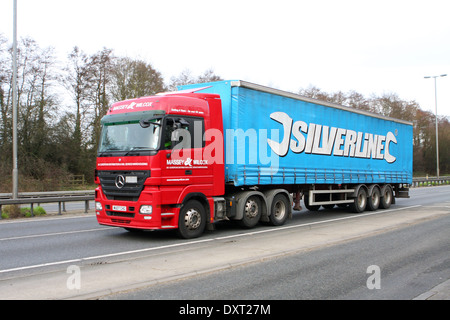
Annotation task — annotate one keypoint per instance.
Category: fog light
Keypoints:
(98, 206)
(146, 209)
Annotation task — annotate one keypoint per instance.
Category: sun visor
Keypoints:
(131, 116)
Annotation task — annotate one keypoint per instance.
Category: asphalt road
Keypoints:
(323, 255)
(410, 262)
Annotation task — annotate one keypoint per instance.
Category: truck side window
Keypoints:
(175, 132)
(197, 132)
(187, 131)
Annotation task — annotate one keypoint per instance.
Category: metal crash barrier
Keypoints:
(60, 197)
(429, 181)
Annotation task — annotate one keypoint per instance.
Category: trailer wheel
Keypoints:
(192, 220)
(360, 203)
(373, 201)
(252, 212)
(386, 197)
(279, 211)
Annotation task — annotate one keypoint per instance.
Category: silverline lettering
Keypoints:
(325, 140)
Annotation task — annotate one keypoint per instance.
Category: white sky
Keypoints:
(367, 46)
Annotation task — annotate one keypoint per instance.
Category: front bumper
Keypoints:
(127, 213)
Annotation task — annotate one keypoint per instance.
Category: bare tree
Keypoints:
(134, 78)
(37, 99)
(208, 76)
(5, 96)
(100, 65)
(78, 82)
(186, 77)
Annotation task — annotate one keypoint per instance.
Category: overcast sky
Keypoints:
(374, 47)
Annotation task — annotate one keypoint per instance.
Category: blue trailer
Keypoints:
(280, 142)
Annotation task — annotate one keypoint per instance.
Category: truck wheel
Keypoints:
(359, 205)
(252, 212)
(192, 220)
(387, 196)
(373, 201)
(279, 211)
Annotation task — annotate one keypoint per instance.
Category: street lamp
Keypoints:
(15, 171)
(435, 101)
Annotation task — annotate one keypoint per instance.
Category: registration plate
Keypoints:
(131, 179)
(119, 208)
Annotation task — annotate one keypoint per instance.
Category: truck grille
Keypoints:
(115, 184)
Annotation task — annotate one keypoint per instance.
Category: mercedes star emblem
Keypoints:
(120, 181)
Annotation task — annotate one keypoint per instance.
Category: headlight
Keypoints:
(145, 209)
(98, 206)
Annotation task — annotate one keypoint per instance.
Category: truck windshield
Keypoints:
(130, 136)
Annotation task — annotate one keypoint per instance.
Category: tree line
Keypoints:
(61, 103)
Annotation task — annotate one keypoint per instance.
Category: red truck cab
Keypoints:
(156, 167)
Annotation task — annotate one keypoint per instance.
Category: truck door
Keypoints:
(182, 149)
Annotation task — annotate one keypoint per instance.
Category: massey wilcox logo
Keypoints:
(186, 162)
(319, 139)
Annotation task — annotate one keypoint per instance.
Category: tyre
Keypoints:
(373, 201)
(191, 220)
(279, 211)
(252, 212)
(386, 197)
(360, 202)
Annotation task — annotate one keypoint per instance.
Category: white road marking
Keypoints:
(54, 234)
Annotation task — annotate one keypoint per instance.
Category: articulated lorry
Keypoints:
(234, 150)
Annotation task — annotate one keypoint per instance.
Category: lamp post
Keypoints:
(15, 171)
(435, 101)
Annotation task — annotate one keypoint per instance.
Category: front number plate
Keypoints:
(131, 179)
(119, 208)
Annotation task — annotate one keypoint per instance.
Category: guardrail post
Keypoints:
(59, 208)
(31, 209)
(86, 206)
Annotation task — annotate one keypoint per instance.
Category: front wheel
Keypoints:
(192, 220)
